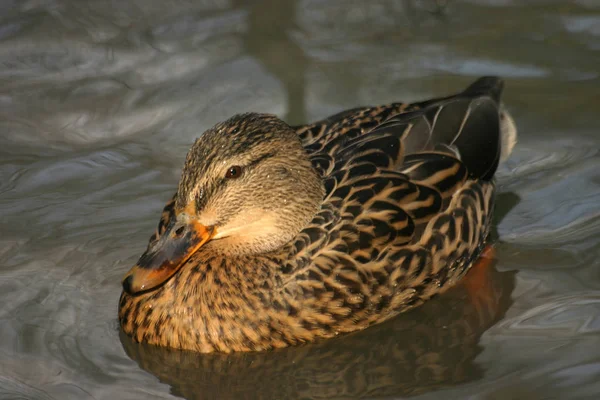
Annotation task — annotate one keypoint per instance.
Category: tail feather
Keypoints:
(486, 86)
(492, 87)
(472, 125)
(508, 130)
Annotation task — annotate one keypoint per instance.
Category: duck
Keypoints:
(283, 235)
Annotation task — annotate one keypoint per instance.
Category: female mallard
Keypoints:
(282, 235)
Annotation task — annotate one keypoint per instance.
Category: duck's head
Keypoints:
(247, 187)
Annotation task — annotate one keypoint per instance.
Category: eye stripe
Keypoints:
(260, 159)
(201, 201)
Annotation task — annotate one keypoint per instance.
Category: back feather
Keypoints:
(471, 126)
(409, 197)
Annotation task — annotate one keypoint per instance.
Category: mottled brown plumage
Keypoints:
(320, 229)
(413, 353)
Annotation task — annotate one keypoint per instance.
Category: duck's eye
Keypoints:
(233, 172)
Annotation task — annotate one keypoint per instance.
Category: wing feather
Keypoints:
(407, 206)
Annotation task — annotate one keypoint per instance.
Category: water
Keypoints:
(100, 100)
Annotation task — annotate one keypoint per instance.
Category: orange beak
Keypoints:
(167, 255)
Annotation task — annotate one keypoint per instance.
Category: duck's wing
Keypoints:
(445, 125)
(350, 123)
(408, 205)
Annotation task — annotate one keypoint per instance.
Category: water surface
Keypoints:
(100, 100)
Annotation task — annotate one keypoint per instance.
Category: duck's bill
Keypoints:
(165, 257)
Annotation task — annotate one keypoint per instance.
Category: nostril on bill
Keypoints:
(179, 231)
(127, 282)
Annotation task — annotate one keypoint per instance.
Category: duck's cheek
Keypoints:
(166, 256)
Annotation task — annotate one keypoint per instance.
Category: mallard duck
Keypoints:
(281, 235)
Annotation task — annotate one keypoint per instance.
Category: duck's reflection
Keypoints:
(431, 347)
